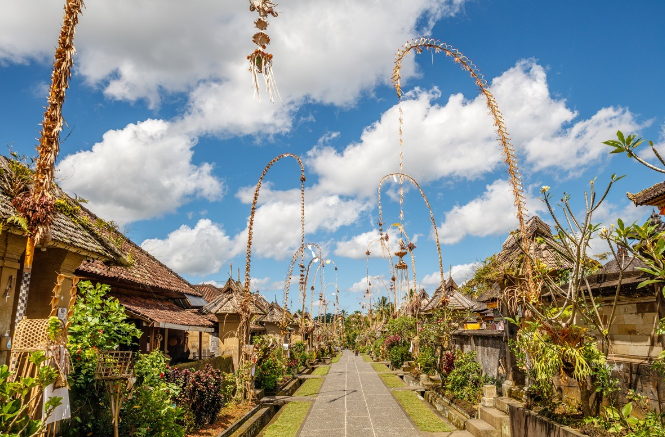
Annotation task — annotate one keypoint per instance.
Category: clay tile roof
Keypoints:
(208, 291)
(162, 311)
(136, 268)
(648, 196)
(65, 232)
(144, 272)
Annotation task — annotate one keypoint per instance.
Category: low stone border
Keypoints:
(238, 423)
(450, 411)
(526, 423)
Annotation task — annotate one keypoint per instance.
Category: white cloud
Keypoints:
(258, 284)
(200, 251)
(139, 172)
(142, 50)
(493, 213)
(460, 272)
(356, 247)
(277, 220)
(457, 138)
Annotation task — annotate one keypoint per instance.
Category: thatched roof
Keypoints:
(456, 300)
(654, 195)
(66, 232)
(543, 247)
(111, 257)
(274, 314)
(607, 279)
(229, 303)
(493, 293)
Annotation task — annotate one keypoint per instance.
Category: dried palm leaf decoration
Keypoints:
(260, 61)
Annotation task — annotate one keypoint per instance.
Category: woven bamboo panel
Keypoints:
(114, 365)
(31, 335)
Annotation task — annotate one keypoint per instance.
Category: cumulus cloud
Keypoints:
(277, 220)
(460, 273)
(139, 172)
(356, 247)
(167, 47)
(457, 138)
(199, 251)
(472, 218)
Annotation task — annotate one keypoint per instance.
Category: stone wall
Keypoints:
(632, 334)
(490, 349)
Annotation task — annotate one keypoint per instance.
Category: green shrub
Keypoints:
(426, 360)
(223, 363)
(398, 355)
(15, 396)
(269, 373)
(466, 380)
(200, 394)
(99, 322)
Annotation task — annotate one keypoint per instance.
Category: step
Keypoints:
(503, 402)
(460, 434)
(480, 428)
(497, 419)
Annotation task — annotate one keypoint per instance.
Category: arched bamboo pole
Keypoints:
(429, 208)
(245, 312)
(299, 253)
(420, 44)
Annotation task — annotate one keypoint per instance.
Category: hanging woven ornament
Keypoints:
(260, 61)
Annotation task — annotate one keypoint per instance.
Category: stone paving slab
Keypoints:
(353, 401)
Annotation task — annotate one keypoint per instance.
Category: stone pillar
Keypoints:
(489, 395)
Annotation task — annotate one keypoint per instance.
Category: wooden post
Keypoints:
(200, 345)
(166, 341)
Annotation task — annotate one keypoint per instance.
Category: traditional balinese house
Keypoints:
(653, 196)
(450, 296)
(160, 301)
(273, 319)
(417, 304)
(69, 245)
(226, 308)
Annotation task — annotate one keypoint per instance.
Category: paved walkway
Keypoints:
(353, 401)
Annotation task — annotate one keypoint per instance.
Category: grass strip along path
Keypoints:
(417, 409)
(293, 414)
(311, 387)
(425, 419)
(289, 420)
(321, 371)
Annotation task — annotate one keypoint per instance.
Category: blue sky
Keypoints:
(164, 135)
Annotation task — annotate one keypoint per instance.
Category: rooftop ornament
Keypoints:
(419, 45)
(260, 61)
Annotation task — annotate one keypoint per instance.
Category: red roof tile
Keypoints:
(162, 311)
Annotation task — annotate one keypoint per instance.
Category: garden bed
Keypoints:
(526, 423)
(454, 413)
(227, 419)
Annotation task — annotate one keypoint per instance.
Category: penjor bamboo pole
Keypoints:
(38, 209)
